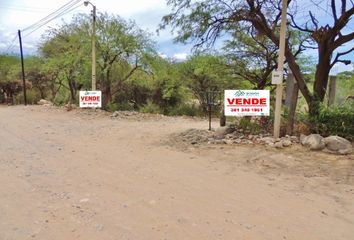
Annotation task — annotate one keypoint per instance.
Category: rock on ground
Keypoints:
(222, 131)
(44, 102)
(286, 142)
(338, 145)
(267, 140)
(313, 142)
(278, 145)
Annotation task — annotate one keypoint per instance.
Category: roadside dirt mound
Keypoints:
(193, 136)
(133, 115)
(266, 159)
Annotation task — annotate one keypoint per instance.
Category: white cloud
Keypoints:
(164, 56)
(19, 14)
(340, 67)
(180, 56)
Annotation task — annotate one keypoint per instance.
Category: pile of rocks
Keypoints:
(195, 136)
(332, 144)
(230, 136)
(45, 103)
(226, 135)
(134, 115)
(124, 114)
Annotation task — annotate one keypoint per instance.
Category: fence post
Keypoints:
(292, 93)
(332, 90)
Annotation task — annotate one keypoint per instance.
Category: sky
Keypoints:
(19, 14)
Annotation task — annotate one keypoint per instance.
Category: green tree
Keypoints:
(10, 83)
(64, 51)
(345, 88)
(38, 78)
(121, 47)
(208, 73)
(206, 21)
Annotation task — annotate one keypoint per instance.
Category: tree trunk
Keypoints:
(106, 90)
(222, 117)
(295, 69)
(322, 72)
(42, 92)
(292, 110)
(72, 90)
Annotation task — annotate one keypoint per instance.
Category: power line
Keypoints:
(13, 43)
(21, 6)
(66, 8)
(53, 14)
(24, 9)
(40, 24)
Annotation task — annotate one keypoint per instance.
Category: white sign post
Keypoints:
(246, 103)
(90, 99)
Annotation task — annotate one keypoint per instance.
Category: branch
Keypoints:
(334, 11)
(336, 59)
(226, 4)
(343, 39)
(294, 25)
(313, 20)
(343, 20)
(344, 6)
(136, 67)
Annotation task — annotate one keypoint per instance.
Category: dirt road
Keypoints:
(80, 175)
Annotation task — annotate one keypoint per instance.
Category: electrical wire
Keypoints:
(53, 15)
(65, 11)
(24, 9)
(66, 8)
(13, 43)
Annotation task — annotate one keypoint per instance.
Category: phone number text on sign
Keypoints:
(246, 103)
(90, 99)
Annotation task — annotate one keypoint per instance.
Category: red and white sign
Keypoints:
(90, 99)
(246, 103)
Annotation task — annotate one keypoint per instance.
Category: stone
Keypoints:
(217, 141)
(221, 131)
(302, 138)
(228, 141)
(44, 102)
(338, 145)
(115, 114)
(286, 143)
(229, 136)
(99, 227)
(84, 200)
(278, 145)
(294, 139)
(313, 142)
(267, 140)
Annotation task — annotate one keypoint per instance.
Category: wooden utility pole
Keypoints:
(279, 89)
(94, 48)
(23, 69)
(93, 43)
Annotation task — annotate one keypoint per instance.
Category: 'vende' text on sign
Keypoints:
(246, 103)
(90, 99)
